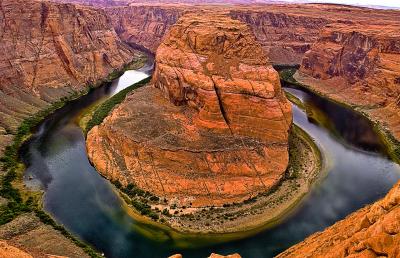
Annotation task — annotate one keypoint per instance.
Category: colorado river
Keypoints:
(88, 206)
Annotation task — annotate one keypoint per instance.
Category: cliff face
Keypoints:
(284, 37)
(360, 67)
(373, 231)
(285, 32)
(48, 51)
(144, 25)
(189, 139)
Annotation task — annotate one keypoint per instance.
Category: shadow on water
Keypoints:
(87, 205)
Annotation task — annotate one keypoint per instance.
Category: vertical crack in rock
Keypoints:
(221, 106)
(214, 120)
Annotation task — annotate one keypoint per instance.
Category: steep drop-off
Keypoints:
(188, 138)
(373, 231)
(360, 67)
(144, 25)
(285, 32)
(49, 51)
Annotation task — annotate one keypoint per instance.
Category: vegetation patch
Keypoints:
(105, 108)
(13, 169)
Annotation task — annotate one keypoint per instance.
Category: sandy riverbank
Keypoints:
(243, 219)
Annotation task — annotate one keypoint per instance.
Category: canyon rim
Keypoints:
(211, 144)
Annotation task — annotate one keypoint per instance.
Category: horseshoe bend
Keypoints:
(189, 128)
(200, 148)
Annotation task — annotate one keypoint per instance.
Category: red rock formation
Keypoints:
(7, 250)
(284, 37)
(373, 231)
(48, 51)
(144, 25)
(359, 66)
(226, 137)
(213, 255)
(285, 32)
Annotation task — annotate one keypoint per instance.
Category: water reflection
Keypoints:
(79, 198)
(348, 126)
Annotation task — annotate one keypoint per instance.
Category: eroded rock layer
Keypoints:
(48, 51)
(144, 25)
(285, 32)
(373, 231)
(214, 127)
(358, 66)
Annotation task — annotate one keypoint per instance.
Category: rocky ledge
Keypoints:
(373, 231)
(358, 66)
(211, 130)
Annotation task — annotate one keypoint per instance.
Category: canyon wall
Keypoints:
(188, 137)
(284, 37)
(144, 25)
(285, 32)
(49, 51)
(359, 66)
(373, 231)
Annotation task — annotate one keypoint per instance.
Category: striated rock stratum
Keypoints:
(213, 127)
(373, 231)
(360, 67)
(48, 51)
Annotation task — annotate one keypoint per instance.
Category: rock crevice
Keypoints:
(213, 126)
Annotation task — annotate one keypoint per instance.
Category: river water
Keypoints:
(87, 205)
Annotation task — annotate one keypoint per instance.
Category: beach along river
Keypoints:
(358, 173)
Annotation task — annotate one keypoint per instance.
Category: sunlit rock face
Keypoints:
(373, 231)
(213, 127)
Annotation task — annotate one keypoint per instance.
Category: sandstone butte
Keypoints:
(48, 51)
(360, 68)
(212, 129)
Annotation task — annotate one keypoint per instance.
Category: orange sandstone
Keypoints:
(213, 130)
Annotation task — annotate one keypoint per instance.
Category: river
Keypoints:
(358, 173)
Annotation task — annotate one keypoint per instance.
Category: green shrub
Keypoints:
(105, 108)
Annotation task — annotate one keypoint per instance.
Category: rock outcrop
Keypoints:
(285, 37)
(49, 51)
(214, 127)
(27, 236)
(144, 25)
(373, 231)
(360, 67)
(7, 250)
(285, 32)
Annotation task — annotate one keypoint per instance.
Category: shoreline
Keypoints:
(13, 186)
(220, 224)
(291, 75)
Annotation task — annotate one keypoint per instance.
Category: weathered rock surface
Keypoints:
(27, 235)
(213, 255)
(358, 66)
(285, 32)
(144, 25)
(373, 231)
(48, 51)
(7, 250)
(215, 128)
